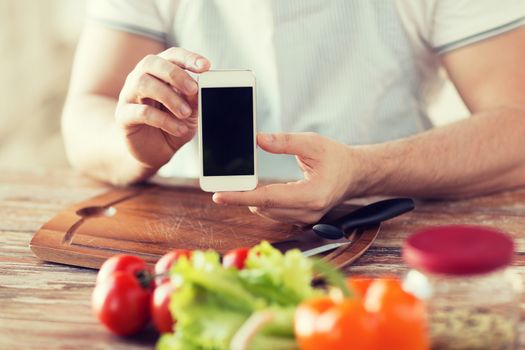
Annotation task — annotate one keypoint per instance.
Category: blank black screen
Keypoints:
(227, 131)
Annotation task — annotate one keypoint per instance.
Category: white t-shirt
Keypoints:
(357, 71)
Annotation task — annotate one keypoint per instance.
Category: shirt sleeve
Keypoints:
(141, 17)
(457, 23)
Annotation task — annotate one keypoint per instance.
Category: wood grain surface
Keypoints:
(47, 306)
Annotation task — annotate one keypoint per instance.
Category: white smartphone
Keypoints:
(227, 136)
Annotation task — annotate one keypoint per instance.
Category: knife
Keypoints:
(309, 243)
(324, 237)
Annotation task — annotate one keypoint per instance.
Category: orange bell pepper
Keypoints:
(381, 315)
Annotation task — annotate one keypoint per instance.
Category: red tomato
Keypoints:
(401, 316)
(125, 263)
(320, 323)
(163, 265)
(160, 312)
(235, 258)
(121, 303)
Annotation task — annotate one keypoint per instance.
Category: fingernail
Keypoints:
(217, 199)
(200, 63)
(190, 86)
(266, 137)
(185, 110)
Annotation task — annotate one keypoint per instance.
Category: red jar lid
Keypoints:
(458, 250)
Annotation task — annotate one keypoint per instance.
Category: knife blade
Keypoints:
(309, 243)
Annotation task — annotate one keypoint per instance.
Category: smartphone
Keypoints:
(227, 135)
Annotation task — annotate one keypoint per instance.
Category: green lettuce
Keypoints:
(212, 303)
(283, 279)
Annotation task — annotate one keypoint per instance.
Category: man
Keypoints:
(342, 86)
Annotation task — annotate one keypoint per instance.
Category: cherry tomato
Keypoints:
(125, 263)
(160, 312)
(321, 323)
(121, 303)
(163, 265)
(235, 258)
(401, 316)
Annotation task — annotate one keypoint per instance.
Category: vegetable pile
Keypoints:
(256, 298)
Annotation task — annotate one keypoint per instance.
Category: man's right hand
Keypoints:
(157, 106)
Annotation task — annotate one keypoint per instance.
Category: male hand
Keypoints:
(157, 107)
(328, 179)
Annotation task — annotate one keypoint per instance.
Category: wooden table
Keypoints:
(47, 306)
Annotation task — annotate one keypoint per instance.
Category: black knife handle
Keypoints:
(375, 213)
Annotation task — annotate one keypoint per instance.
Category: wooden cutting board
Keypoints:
(150, 220)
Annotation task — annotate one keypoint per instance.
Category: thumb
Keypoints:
(300, 144)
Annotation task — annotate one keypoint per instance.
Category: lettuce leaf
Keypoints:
(211, 303)
(283, 279)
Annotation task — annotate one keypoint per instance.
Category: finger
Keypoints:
(138, 114)
(290, 195)
(150, 87)
(186, 59)
(301, 144)
(193, 101)
(297, 217)
(169, 73)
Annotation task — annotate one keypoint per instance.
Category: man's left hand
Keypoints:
(329, 177)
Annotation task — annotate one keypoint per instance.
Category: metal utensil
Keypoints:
(365, 216)
(324, 237)
(309, 243)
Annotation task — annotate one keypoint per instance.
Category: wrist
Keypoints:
(367, 171)
(125, 168)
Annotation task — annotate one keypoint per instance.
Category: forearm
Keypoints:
(482, 154)
(94, 144)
